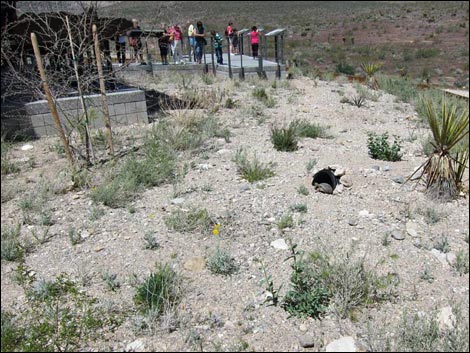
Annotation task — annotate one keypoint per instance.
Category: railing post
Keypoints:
(230, 74)
(212, 55)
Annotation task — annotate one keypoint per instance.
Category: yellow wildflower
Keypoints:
(215, 231)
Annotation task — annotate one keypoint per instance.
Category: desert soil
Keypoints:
(224, 311)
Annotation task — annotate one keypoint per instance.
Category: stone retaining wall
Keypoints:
(125, 107)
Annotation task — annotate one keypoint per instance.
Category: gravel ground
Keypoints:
(220, 313)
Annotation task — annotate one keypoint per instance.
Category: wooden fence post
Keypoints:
(103, 92)
(50, 101)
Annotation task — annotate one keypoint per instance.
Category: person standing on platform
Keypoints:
(254, 40)
(199, 34)
(191, 41)
(177, 44)
(135, 41)
(218, 45)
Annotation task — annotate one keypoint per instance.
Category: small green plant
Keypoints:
(358, 101)
(11, 248)
(230, 103)
(272, 294)
(110, 279)
(160, 292)
(252, 170)
(308, 297)
(58, 316)
(302, 190)
(284, 139)
(190, 221)
(461, 264)
(379, 148)
(42, 238)
(310, 165)
(150, 241)
(304, 128)
(222, 263)
(427, 275)
(299, 207)
(432, 216)
(207, 79)
(345, 68)
(442, 244)
(8, 167)
(286, 221)
(260, 94)
(75, 237)
(386, 240)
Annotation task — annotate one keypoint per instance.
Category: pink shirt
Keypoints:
(177, 34)
(254, 37)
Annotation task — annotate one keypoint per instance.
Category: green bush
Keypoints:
(404, 89)
(344, 68)
(222, 263)
(252, 170)
(8, 167)
(11, 248)
(285, 138)
(304, 128)
(193, 220)
(379, 148)
(160, 292)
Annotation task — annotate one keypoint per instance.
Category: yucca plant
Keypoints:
(371, 69)
(443, 171)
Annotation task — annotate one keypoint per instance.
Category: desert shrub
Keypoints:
(252, 170)
(286, 221)
(379, 148)
(110, 279)
(284, 138)
(310, 164)
(74, 236)
(8, 166)
(358, 101)
(442, 244)
(304, 128)
(424, 53)
(400, 87)
(160, 292)
(299, 207)
(260, 94)
(58, 316)
(302, 190)
(345, 68)
(190, 221)
(421, 333)
(461, 264)
(150, 241)
(134, 175)
(221, 262)
(11, 248)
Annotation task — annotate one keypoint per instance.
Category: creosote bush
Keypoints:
(379, 147)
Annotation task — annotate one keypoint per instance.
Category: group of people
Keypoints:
(171, 40)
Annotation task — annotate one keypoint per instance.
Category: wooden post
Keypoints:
(50, 101)
(212, 55)
(242, 69)
(80, 93)
(104, 103)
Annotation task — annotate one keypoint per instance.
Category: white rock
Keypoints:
(440, 256)
(344, 344)
(338, 189)
(27, 147)
(446, 319)
(451, 258)
(136, 346)
(412, 228)
(177, 201)
(364, 213)
(340, 172)
(280, 244)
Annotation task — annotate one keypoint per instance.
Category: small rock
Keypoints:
(412, 229)
(244, 187)
(397, 235)
(204, 166)
(195, 264)
(303, 328)
(340, 172)
(223, 151)
(27, 147)
(346, 181)
(440, 256)
(271, 219)
(84, 234)
(177, 201)
(376, 168)
(451, 258)
(136, 346)
(344, 344)
(75, 197)
(280, 244)
(399, 180)
(338, 189)
(446, 319)
(353, 222)
(98, 249)
(387, 168)
(364, 213)
(306, 341)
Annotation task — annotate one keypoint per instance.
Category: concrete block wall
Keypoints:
(125, 107)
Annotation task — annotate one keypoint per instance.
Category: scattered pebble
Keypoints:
(397, 235)
(344, 344)
(306, 341)
(280, 244)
